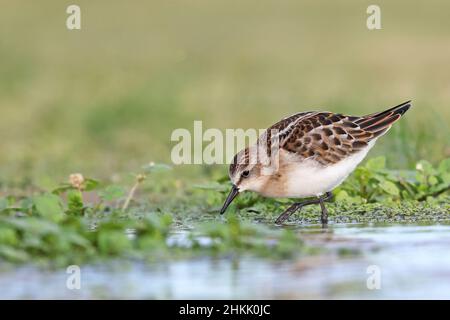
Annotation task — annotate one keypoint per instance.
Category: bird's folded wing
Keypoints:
(328, 138)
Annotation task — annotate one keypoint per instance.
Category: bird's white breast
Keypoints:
(308, 178)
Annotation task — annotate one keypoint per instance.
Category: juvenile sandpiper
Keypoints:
(315, 152)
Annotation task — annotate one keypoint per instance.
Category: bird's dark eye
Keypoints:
(245, 173)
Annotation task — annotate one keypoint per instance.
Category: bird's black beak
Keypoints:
(233, 194)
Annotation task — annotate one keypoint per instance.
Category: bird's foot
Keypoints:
(299, 205)
(288, 212)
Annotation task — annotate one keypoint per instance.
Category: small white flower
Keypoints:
(76, 180)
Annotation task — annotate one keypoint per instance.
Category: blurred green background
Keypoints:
(106, 99)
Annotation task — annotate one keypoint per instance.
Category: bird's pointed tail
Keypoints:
(378, 123)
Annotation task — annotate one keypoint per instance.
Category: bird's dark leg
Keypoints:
(324, 217)
(293, 208)
(298, 205)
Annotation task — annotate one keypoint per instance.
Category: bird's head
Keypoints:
(244, 175)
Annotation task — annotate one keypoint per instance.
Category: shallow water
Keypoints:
(413, 260)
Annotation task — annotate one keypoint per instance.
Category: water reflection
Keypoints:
(414, 261)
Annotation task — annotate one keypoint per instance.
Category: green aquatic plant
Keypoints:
(86, 219)
(243, 237)
(371, 193)
(373, 182)
(61, 227)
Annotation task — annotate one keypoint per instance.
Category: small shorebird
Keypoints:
(316, 151)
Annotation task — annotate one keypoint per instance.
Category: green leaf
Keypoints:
(8, 236)
(63, 188)
(78, 240)
(91, 184)
(433, 180)
(390, 188)
(406, 195)
(31, 225)
(113, 242)
(49, 206)
(26, 204)
(379, 177)
(75, 202)
(12, 254)
(342, 196)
